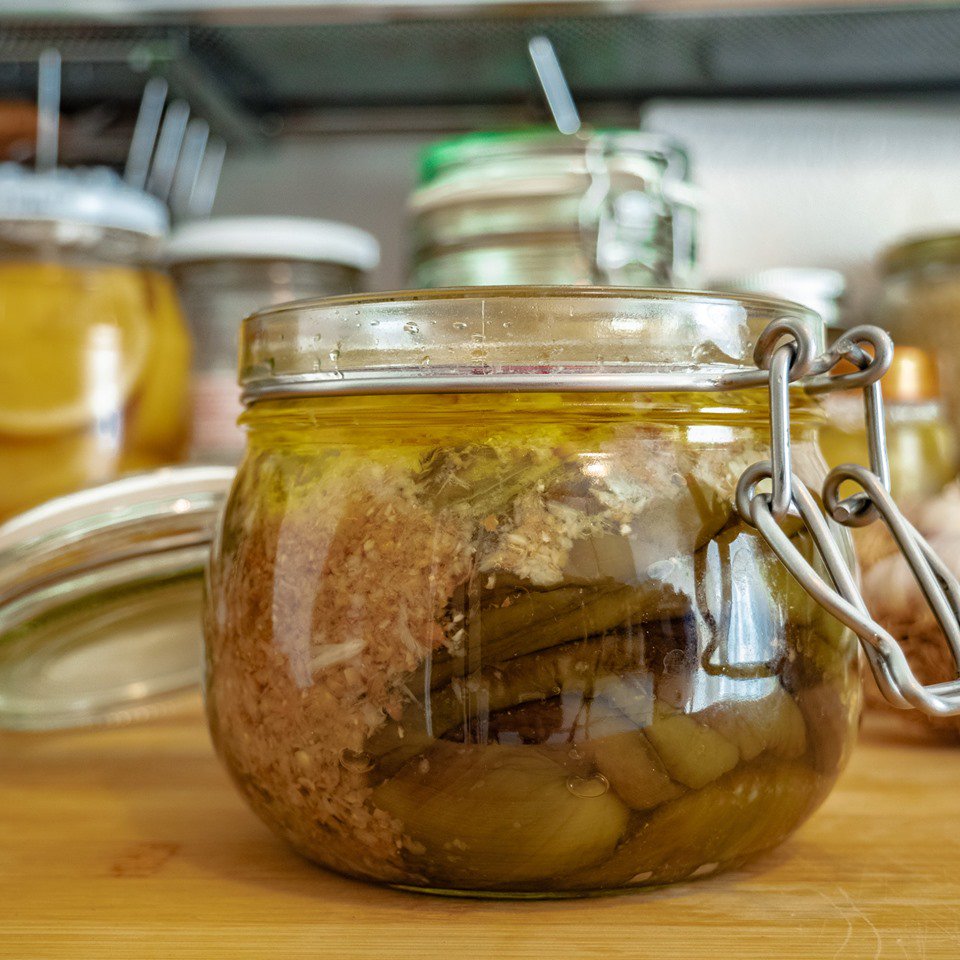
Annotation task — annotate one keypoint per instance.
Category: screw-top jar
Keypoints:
(225, 269)
(94, 357)
(535, 206)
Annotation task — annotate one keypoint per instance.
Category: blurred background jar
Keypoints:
(920, 303)
(540, 207)
(94, 356)
(225, 269)
(921, 442)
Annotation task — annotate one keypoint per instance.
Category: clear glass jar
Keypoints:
(94, 355)
(920, 304)
(538, 207)
(224, 269)
(921, 442)
(464, 637)
(100, 599)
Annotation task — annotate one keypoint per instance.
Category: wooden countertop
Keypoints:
(131, 843)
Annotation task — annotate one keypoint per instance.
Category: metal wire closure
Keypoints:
(786, 350)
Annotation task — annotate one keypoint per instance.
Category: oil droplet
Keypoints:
(374, 323)
(477, 337)
(411, 327)
(588, 787)
(478, 353)
(425, 361)
(355, 762)
(335, 358)
(459, 325)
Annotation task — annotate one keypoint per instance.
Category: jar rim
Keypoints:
(510, 339)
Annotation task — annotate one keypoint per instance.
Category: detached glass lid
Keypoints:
(100, 598)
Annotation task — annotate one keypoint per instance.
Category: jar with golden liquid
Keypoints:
(94, 355)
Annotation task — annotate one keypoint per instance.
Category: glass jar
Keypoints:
(100, 595)
(535, 206)
(483, 618)
(94, 356)
(921, 443)
(225, 269)
(920, 303)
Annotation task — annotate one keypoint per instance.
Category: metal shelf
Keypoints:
(254, 67)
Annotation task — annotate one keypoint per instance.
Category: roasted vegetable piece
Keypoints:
(603, 556)
(692, 753)
(771, 723)
(750, 809)
(494, 815)
(633, 769)
(536, 620)
(577, 671)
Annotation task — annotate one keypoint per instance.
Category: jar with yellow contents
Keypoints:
(921, 441)
(94, 355)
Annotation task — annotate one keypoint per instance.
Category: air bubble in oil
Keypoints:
(588, 787)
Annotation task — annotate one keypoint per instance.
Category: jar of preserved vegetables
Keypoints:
(920, 303)
(536, 206)
(226, 268)
(94, 355)
(496, 606)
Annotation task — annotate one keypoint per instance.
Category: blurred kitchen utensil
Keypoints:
(165, 157)
(188, 167)
(554, 84)
(145, 132)
(208, 179)
(48, 110)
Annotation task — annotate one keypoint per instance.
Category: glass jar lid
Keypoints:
(510, 339)
(273, 238)
(100, 595)
(78, 198)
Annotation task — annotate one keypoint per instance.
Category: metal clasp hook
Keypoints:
(765, 511)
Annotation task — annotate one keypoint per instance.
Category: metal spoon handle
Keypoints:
(554, 84)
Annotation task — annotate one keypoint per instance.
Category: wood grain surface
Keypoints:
(131, 843)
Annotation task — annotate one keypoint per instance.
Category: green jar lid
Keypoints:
(474, 148)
